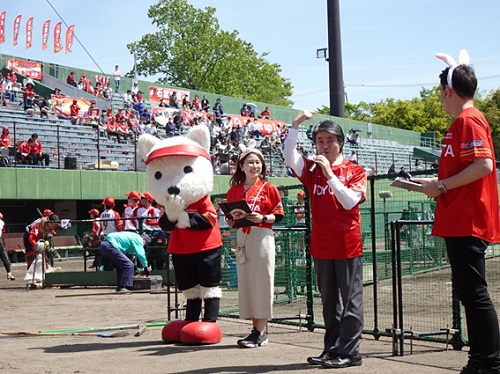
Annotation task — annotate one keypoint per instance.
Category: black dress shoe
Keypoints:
(342, 362)
(318, 360)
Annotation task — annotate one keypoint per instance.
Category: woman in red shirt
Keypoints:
(5, 138)
(256, 247)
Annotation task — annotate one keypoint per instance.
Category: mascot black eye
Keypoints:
(188, 169)
(158, 175)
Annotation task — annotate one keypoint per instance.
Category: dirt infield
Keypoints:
(287, 351)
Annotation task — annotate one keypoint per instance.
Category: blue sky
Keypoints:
(388, 46)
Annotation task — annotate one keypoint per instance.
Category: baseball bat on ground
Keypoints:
(117, 334)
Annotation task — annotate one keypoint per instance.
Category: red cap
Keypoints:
(95, 212)
(5, 128)
(300, 194)
(133, 195)
(178, 150)
(47, 212)
(109, 201)
(147, 196)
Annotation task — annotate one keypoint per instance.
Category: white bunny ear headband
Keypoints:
(250, 149)
(463, 59)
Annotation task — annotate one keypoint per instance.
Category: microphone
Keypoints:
(313, 166)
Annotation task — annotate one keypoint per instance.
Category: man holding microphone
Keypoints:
(337, 187)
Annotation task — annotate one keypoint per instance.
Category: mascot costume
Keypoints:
(180, 177)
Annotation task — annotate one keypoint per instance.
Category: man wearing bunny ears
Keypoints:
(467, 187)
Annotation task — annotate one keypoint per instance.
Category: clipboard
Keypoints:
(237, 210)
(407, 185)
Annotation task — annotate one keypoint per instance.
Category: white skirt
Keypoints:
(256, 275)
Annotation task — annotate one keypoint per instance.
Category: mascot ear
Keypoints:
(145, 144)
(200, 135)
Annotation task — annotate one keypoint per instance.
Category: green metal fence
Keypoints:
(407, 287)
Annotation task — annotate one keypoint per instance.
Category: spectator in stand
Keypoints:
(205, 104)
(353, 157)
(27, 80)
(103, 122)
(265, 145)
(162, 103)
(86, 85)
(218, 108)
(392, 169)
(133, 199)
(135, 88)
(244, 110)
(419, 165)
(7, 91)
(185, 102)
(117, 74)
(4, 257)
(309, 132)
(178, 122)
(266, 113)
(30, 88)
(253, 128)
(23, 154)
(110, 218)
(119, 115)
(196, 105)
(403, 173)
(435, 164)
(170, 128)
(56, 92)
(173, 101)
(36, 150)
(227, 125)
(98, 90)
(235, 136)
(71, 79)
(12, 77)
(138, 97)
(74, 112)
(5, 138)
(107, 92)
(352, 138)
(44, 108)
(31, 106)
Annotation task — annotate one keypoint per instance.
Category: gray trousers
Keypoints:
(340, 283)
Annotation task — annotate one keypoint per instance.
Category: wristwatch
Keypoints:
(441, 187)
(264, 219)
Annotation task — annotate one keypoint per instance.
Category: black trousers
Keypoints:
(468, 271)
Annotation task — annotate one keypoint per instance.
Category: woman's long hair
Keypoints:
(239, 174)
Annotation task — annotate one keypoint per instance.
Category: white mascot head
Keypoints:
(179, 170)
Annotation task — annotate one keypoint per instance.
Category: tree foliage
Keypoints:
(423, 114)
(190, 50)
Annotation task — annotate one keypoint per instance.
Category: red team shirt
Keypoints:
(187, 241)
(471, 210)
(111, 226)
(268, 201)
(336, 232)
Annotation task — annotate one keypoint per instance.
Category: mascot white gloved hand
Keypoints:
(180, 177)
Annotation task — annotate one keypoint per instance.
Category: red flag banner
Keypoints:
(61, 106)
(29, 32)
(32, 69)
(45, 35)
(2, 27)
(69, 38)
(57, 37)
(158, 93)
(17, 23)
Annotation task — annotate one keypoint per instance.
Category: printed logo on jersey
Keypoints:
(449, 135)
(471, 144)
